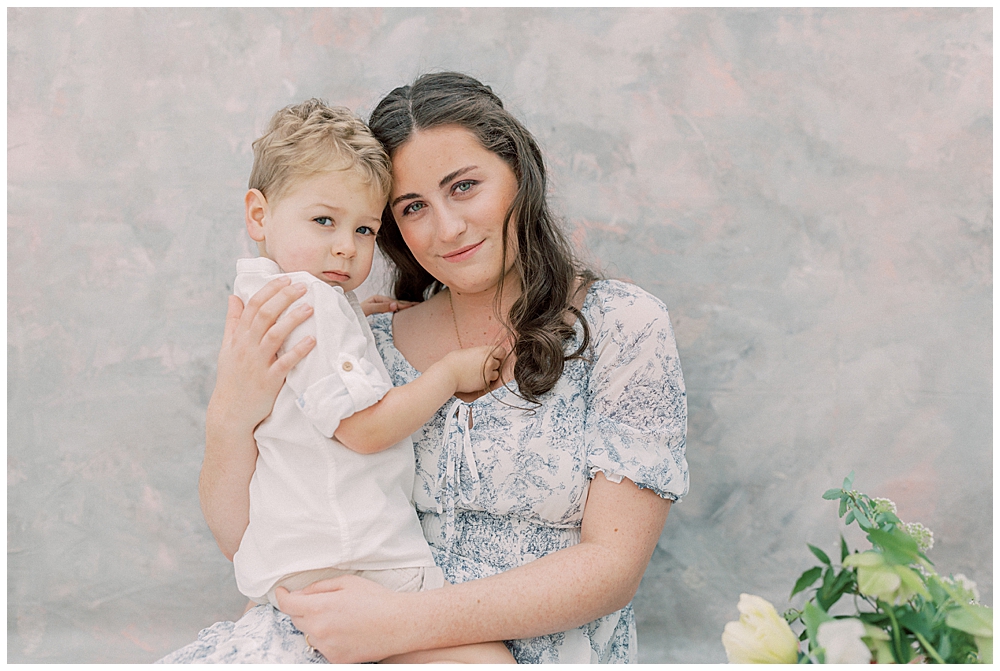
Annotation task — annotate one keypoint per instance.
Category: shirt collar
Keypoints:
(259, 265)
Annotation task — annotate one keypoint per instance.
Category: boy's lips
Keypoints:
(336, 276)
(462, 253)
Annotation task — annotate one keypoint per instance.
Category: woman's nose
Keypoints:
(450, 223)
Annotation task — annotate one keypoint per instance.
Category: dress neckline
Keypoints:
(504, 390)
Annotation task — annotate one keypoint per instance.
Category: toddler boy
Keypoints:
(331, 493)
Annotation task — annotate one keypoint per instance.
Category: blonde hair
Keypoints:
(312, 137)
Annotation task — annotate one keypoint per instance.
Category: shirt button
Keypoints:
(348, 367)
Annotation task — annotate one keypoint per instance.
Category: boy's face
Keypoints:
(324, 224)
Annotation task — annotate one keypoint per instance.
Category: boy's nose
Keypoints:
(344, 247)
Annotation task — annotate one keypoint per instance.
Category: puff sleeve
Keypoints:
(636, 426)
(337, 378)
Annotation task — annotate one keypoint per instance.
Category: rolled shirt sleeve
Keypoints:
(337, 378)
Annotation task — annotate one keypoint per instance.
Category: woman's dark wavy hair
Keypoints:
(545, 262)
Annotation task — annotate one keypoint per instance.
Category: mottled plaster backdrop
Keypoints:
(809, 191)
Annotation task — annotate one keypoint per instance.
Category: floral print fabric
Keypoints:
(500, 483)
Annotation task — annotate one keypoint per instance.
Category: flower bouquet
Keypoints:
(900, 609)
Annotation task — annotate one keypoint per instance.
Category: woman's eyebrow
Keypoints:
(405, 196)
(447, 178)
(453, 175)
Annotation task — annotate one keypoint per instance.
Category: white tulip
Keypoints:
(841, 639)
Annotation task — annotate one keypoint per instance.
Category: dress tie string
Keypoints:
(453, 449)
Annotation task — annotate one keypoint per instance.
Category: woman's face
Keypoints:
(449, 197)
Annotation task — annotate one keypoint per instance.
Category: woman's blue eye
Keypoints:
(464, 185)
(412, 208)
(324, 221)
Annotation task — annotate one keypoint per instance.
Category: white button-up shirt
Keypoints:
(313, 502)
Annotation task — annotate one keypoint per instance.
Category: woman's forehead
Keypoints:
(432, 154)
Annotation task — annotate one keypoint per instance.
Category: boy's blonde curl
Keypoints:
(312, 137)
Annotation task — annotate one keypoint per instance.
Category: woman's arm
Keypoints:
(353, 620)
(249, 377)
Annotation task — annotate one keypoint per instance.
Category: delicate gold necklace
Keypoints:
(454, 321)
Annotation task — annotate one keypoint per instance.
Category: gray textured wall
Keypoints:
(809, 191)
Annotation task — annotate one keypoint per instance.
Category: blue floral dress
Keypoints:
(512, 487)
(500, 483)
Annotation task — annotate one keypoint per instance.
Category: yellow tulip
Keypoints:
(761, 636)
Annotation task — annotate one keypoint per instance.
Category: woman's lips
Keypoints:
(335, 276)
(462, 253)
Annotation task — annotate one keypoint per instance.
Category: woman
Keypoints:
(543, 498)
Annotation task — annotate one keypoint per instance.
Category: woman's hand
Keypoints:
(379, 303)
(250, 372)
(249, 377)
(341, 615)
(354, 620)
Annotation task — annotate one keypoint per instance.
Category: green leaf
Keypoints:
(876, 619)
(820, 555)
(972, 619)
(919, 622)
(985, 646)
(832, 494)
(813, 616)
(898, 547)
(845, 579)
(849, 518)
(806, 579)
(888, 517)
(843, 507)
(938, 594)
(824, 589)
(944, 646)
(849, 481)
(834, 588)
(844, 550)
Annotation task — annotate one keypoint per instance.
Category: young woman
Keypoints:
(543, 498)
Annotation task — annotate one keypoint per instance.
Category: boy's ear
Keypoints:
(256, 213)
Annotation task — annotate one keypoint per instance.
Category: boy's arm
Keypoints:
(336, 379)
(401, 411)
(404, 409)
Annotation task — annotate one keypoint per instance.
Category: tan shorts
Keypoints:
(419, 579)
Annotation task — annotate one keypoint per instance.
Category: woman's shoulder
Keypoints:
(622, 302)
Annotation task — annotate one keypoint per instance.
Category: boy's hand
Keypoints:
(379, 303)
(475, 368)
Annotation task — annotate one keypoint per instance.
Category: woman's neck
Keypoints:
(475, 314)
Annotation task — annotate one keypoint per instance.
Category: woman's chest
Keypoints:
(503, 456)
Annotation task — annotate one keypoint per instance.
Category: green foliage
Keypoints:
(930, 618)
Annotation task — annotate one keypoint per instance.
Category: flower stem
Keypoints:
(897, 642)
(929, 648)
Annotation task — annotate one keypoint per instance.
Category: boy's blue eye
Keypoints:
(366, 230)
(324, 221)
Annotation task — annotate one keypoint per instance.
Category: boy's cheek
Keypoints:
(294, 260)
